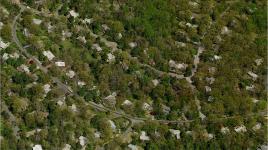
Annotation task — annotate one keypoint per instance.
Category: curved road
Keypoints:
(66, 88)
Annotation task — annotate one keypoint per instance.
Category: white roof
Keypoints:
(97, 134)
(132, 44)
(210, 80)
(46, 88)
(241, 128)
(147, 107)
(81, 83)
(250, 88)
(1, 25)
(70, 73)
(144, 137)
(119, 35)
(14, 55)
(111, 97)
(210, 136)
(73, 13)
(48, 54)
(74, 108)
(111, 57)
(25, 68)
(37, 21)
(132, 147)
(225, 30)
(208, 89)
(5, 56)
(67, 147)
(256, 127)
(155, 82)
(82, 140)
(180, 44)
(60, 64)
(86, 20)
(225, 130)
(176, 133)
(173, 64)
(96, 47)
(82, 39)
(253, 75)
(105, 27)
(201, 115)
(254, 100)
(216, 57)
(113, 126)
(127, 103)
(259, 61)
(37, 147)
(3, 45)
(49, 27)
(210, 98)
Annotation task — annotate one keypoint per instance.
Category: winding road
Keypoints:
(99, 107)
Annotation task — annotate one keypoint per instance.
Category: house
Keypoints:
(105, 27)
(132, 44)
(86, 20)
(253, 75)
(82, 39)
(3, 45)
(73, 13)
(119, 36)
(66, 34)
(180, 44)
(127, 103)
(1, 25)
(82, 140)
(37, 21)
(5, 56)
(111, 100)
(48, 54)
(225, 30)
(210, 80)
(259, 61)
(110, 57)
(147, 107)
(165, 109)
(70, 74)
(46, 88)
(81, 83)
(174, 65)
(97, 134)
(155, 82)
(132, 147)
(255, 100)
(144, 137)
(225, 130)
(113, 126)
(250, 88)
(256, 127)
(216, 57)
(67, 147)
(176, 133)
(208, 89)
(241, 128)
(37, 147)
(201, 115)
(96, 47)
(49, 27)
(24, 68)
(60, 64)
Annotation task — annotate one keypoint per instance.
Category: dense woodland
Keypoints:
(109, 47)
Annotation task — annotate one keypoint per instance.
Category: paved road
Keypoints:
(66, 88)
